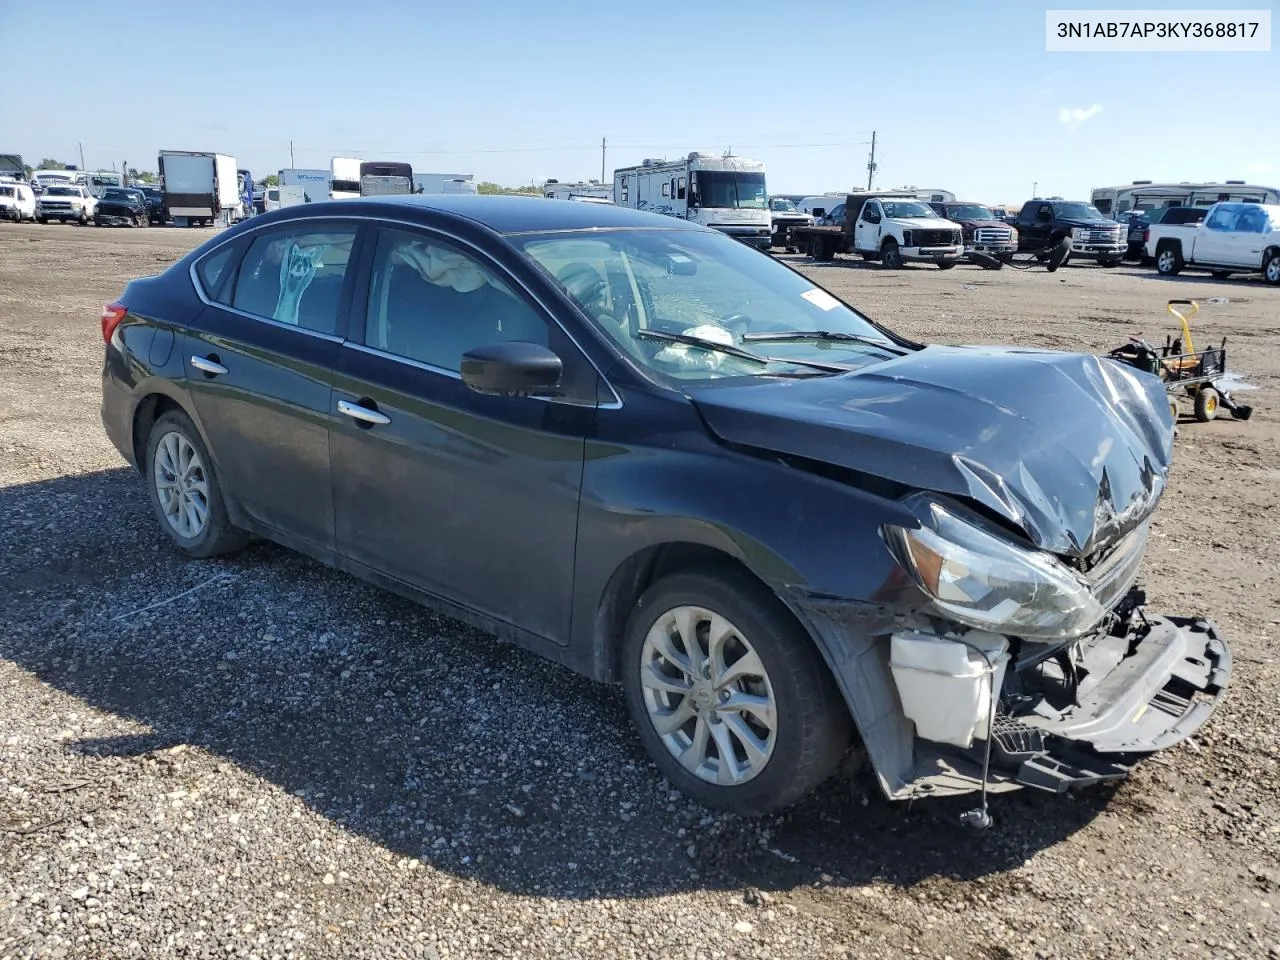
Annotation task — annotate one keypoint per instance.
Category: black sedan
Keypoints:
(661, 458)
(156, 211)
(121, 207)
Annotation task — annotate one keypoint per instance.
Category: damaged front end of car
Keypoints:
(1018, 668)
(1009, 645)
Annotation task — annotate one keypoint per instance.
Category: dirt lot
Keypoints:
(288, 763)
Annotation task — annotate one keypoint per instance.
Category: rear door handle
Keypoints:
(363, 414)
(211, 367)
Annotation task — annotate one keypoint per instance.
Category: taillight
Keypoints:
(112, 314)
(1146, 235)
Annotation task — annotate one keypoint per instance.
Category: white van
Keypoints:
(17, 201)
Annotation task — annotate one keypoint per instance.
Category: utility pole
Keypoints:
(292, 164)
(81, 146)
(603, 146)
(871, 164)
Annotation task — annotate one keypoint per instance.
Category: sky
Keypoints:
(961, 96)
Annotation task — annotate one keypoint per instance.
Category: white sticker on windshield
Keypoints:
(821, 299)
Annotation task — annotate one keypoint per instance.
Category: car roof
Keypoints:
(506, 214)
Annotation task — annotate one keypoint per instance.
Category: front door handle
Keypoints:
(205, 365)
(363, 414)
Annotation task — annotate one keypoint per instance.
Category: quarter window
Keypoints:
(296, 277)
(212, 271)
(431, 302)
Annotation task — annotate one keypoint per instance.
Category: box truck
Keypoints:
(201, 189)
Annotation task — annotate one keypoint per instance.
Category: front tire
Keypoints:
(946, 264)
(891, 255)
(744, 715)
(1206, 406)
(184, 489)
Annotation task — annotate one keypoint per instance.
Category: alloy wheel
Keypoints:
(708, 696)
(182, 485)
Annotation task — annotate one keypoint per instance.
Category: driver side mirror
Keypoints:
(514, 368)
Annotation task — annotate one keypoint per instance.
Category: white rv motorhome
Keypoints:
(725, 193)
(592, 189)
(344, 178)
(315, 183)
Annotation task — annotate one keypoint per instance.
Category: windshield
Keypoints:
(116, 193)
(631, 283)
(907, 208)
(61, 192)
(1077, 211)
(724, 188)
(782, 206)
(968, 211)
(7, 192)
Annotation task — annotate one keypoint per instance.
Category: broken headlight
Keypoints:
(980, 578)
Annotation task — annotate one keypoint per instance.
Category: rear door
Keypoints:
(259, 364)
(470, 497)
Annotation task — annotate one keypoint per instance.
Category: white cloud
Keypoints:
(1073, 117)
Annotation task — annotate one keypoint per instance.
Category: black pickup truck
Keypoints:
(1043, 222)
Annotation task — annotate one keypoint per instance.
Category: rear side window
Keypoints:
(296, 277)
(212, 271)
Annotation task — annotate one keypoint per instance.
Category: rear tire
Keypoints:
(788, 683)
(1221, 274)
(946, 264)
(185, 493)
(1271, 268)
(1169, 261)
(891, 255)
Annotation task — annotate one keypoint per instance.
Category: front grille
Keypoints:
(1100, 236)
(992, 235)
(935, 238)
(1111, 578)
(56, 204)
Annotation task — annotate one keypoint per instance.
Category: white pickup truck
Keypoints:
(894, 228)
(66, 201)
(1232, 238)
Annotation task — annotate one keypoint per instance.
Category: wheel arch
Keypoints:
(634, 575)
(153, 405)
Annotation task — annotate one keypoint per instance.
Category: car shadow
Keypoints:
(427, 737)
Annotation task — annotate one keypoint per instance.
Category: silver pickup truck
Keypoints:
(1231, 238)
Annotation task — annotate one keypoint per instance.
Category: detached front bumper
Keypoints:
(1140, 696)
(932, 254)
(1113, 702)
(1098, 251)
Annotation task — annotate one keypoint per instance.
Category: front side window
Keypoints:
(296, 277)
(637, 285)
(431, 302)
(731, 190)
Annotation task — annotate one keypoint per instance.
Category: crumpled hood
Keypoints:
(1072, 448)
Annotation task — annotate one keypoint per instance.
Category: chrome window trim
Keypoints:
(614, 404)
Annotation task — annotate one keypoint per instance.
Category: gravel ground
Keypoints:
(284, 762)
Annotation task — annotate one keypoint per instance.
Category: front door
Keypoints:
(867, 230)
(259, 364)
(468, 496)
